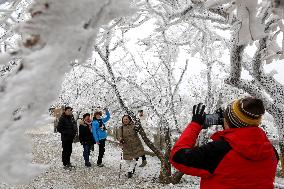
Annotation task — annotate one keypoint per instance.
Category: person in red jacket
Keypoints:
(239, 157)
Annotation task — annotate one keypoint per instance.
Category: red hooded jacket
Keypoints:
(238, 158)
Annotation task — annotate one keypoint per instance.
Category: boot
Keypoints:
(129, 175)
(144, 162)
(88, 164)
(100, 165)
(70, 165)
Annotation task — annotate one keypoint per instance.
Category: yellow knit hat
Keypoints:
(244, 112)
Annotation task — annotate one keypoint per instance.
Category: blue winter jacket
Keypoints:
(98, 133)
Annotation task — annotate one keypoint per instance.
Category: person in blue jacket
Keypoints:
(100, 133)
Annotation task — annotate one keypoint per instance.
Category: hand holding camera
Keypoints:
(214, 119)
(207, 120)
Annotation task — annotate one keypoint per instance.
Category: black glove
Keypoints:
(198, 114)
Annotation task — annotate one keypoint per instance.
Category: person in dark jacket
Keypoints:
(86, 137)
(239, 157)
(68, 128)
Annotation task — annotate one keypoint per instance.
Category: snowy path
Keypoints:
(47, 150)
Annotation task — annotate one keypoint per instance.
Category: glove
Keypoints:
(198, 114)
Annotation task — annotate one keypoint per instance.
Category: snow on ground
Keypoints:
(279, 183)
(47, 150)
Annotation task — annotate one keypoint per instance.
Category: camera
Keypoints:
(213, 119)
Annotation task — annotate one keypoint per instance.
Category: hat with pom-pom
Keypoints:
(245, 112)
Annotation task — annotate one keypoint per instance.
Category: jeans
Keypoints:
(101, 151)
(86, 152)
(66, 152)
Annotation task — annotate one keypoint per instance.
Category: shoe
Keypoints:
(100, 165)
(144, 162)
(66, 167)
(129, 175)
(88, 164)
(70, 165)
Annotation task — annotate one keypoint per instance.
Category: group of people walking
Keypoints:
(94, 131)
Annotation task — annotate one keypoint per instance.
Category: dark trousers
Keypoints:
(86, 152)
(66, 152)
(143, 158)
(101, 150)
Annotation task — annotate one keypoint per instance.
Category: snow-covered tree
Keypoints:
(258, 20)
(58, 36)
(251, 22)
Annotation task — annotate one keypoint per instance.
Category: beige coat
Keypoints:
(132, 147)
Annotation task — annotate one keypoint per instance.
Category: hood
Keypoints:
(249, 142)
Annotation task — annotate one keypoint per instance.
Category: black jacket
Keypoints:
(67, 127)
(85, 134)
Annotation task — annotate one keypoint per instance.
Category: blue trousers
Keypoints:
(86, 152)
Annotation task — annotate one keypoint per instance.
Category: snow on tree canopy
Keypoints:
(57, 33)
(64, 34)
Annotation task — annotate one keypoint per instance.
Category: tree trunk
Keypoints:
(279, 120)
(274, 89)
(176, 177)
(165, 176)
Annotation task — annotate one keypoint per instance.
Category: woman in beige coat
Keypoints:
(131, 144)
